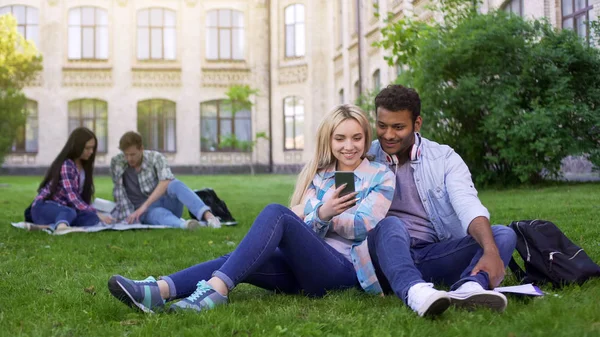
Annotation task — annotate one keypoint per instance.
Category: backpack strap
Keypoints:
(516, 270)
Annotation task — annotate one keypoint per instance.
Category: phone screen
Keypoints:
(342, 177)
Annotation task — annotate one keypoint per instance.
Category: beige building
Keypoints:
(162, 67)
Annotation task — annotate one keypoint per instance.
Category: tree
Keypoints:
(238, 97)
(19, 64)
(512, 97)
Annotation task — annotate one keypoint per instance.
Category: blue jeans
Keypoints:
(168, 209)
(399, 266)
(281, 253)
(51, 213)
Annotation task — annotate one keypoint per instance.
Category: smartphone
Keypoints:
(344, 177)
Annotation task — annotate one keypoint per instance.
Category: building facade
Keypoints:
(162, 67)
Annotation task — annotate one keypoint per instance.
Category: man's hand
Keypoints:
(336, 205)
(107, 219)
(135, 216)
(492, 264)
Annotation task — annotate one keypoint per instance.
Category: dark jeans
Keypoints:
(280, 252)
(399, 267)
(50, 213)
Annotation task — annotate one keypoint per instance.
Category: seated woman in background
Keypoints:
(65, 194)
(316, 246)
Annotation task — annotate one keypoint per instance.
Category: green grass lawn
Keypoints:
(56, 285)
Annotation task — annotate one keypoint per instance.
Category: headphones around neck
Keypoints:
(392, 159)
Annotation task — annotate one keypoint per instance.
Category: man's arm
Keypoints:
(158, 192)
(490, 262)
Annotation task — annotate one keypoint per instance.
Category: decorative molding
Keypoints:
(294, 74)
(86, 77)
(338, 65)
(293, 157)
(191, 3)
(19, 159)
(52, 2)
(373, 37)
(225, 158)
(224, 77)
(155, 77)
(122, 3)
(37, 81)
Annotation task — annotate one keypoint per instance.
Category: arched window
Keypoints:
(88, 33)
(93, 114)
(225, 35)
(293, 114)
(156, 34)
(27, 135)
(294, 31)
(156, 124)
(222, 130)
(27, 21)
(376, 80)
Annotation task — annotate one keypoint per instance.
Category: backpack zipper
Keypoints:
(526, 245)
(571, 258)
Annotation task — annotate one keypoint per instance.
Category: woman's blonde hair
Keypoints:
(323, 157)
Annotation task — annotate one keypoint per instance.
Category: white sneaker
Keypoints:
(471, 294)
(214, 222)
(426, 300)
(191, 224)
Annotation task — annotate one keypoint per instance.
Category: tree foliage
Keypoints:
(19, 64)
(512, 97)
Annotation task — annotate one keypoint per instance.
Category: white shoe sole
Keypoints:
(435, 305)
(487, 299)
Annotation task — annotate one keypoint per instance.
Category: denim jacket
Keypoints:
(445, 187)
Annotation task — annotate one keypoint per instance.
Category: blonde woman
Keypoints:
(317, 245)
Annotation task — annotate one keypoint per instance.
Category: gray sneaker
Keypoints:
(142, 294)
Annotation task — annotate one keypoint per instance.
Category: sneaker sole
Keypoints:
(118, 291)
(494, 301)
(437, 307)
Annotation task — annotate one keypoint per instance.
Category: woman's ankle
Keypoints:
(163, 286)
(218, 285)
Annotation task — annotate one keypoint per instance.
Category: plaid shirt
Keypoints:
(375, 184)
(154, 169)
(68, 192)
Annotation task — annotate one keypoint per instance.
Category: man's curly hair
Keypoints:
(396, 97)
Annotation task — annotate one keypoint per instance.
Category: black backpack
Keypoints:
(217, 206)
(549, 256)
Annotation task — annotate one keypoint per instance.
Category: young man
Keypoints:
(146, 191)
(436, 230)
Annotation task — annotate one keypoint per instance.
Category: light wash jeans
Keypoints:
(401, 262)
(168, 209)
(281, 253)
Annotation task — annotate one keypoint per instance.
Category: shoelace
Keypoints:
(146, 281)
(201, 290)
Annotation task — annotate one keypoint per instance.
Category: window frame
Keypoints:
(295, 100)
(162, 121)
(508, 7)
(162, 28)
(294, 25)
(82, 26)
(231, 28)
(80, 119)
(376, 78)
(22, 131)
(26, 26)
(585, 11)
(218, 118)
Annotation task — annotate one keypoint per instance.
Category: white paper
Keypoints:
(524, 289)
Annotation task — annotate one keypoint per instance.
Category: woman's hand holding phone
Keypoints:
(337, 205)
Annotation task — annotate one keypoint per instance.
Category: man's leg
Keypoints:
(162, 216)
(389, 247)
(185, 196)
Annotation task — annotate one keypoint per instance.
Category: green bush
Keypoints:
(512, 97)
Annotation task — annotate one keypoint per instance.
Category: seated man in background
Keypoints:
(146, 191)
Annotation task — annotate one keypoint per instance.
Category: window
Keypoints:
(218, 126)
(375, 7)
(294, 31)
(575, 16)
(93, 114)
(514, 7)
(27, 21)
(293, 114)
(88, 33)
(156, 124)
(340, 23)
(376, 80)
(27, 135)
(341, 96)
(156, 39)
(357, 90)
(225, 39)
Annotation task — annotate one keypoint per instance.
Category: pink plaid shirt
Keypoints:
(68, 191)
